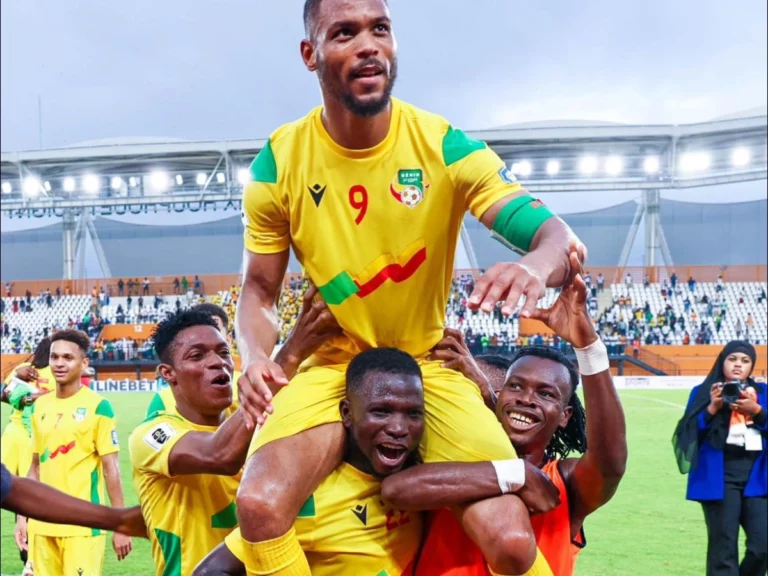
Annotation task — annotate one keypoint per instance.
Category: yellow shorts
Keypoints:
(62, 556)
(459, 427)
(16, 449)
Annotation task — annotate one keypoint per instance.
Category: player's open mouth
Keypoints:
(391, 455)
(222, 379)
(521, 422)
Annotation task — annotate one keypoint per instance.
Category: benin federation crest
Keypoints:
(80, 414)
(409, 187)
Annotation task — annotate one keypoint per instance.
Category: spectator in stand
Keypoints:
(184, 285)
(28, 296)
(128, 303)
(691, 284)
(178, 305)
(102, 296)
(120, 287)
(721, 446)
(673, 280)
(198, 285)
(58, 292)
(686, 339)
(718, 322)
(176, 285)
(719, 287)
(8, 289)
(761, 298)
(145, 287)
(49, 300)
(588, 279)
(646, 281)
(687, 304)
(739, 328)
(156, 302)
(141, 303)
(130, 286)
(600, 282)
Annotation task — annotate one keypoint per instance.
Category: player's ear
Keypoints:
(346, 413)
(167, 373)
(566, 416)
(308, 55)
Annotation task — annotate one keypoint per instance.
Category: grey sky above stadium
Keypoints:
(231, 69)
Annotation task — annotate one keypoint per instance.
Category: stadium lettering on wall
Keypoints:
(132, 208)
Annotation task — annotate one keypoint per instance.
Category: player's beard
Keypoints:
(342, 93)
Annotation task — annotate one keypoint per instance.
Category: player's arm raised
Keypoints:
(523, 223)
(267, 242)
(591, 480)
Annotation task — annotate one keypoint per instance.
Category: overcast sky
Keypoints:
(231, 69)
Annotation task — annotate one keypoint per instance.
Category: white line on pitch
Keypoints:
(672, 404)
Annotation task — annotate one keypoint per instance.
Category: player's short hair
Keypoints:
(495, 360)
(574, 436)
(165, 333)
(214, 310)
(77, 337)
(380, 361)
(311, 7)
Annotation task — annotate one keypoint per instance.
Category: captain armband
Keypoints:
(517, 223)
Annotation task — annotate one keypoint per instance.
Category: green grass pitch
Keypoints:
(648, 528)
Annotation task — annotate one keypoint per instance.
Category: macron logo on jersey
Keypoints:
(159, 435)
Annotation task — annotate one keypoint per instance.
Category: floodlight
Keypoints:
(695, 161)
(614, 165)
(243, 176)
(31, 186)
(553, 167)
(588, 165)
(651, 164)
(91, 184)
(69, 184)
(741, 156)
(47, 186)
(158, 181)
(201, 178)
(179, 180)
(133, 182)
(220, 177)
(116, 183)
(522, 168)
(7, 188)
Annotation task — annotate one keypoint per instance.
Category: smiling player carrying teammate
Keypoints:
(371, 194)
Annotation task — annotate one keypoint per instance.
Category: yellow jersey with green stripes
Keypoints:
(187, 516)
(70, 437)
(376, 229)
(163, 401)
(345, 529)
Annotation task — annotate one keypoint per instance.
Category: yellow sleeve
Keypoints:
(478, 174)
(265, 216)
(13, 372)
(36, 444)
(151, 443)
(105, 430)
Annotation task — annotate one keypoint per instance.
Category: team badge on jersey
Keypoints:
(506, 175)
(409, 187)
(159, 435)
(80, 415)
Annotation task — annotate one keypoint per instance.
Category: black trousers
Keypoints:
(723, 519)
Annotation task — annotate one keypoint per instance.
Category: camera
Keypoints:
(731, 392)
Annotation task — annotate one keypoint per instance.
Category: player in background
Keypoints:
(371, 193)
(541, 414)
(75, 450)
(35, 500)
(16, 443)
(187, 461)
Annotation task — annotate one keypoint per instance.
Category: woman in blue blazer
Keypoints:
(721, 445)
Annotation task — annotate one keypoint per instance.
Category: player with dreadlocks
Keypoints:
(539, 410)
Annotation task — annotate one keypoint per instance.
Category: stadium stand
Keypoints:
(22, 330)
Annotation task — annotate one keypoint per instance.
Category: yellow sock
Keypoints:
(540, 567)
(282, 556)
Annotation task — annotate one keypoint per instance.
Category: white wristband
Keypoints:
(510, 474)
(593, 359)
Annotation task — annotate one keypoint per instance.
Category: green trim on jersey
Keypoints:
(155, 405)
(95, 496)
(105, 409)
(170, 544)
(308, 510)
(338, 289)
(45, 455)
(226, 518)
(457, 145)
(264, 167)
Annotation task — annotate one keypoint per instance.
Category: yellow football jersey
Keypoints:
(70, 436)
(164, 400)
(45, 381)
(375, 229)
(187, 516)
(345, 528)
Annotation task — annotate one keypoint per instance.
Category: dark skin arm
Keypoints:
(257, 330)
(220, 562)
(591, 480)
(546, 264)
